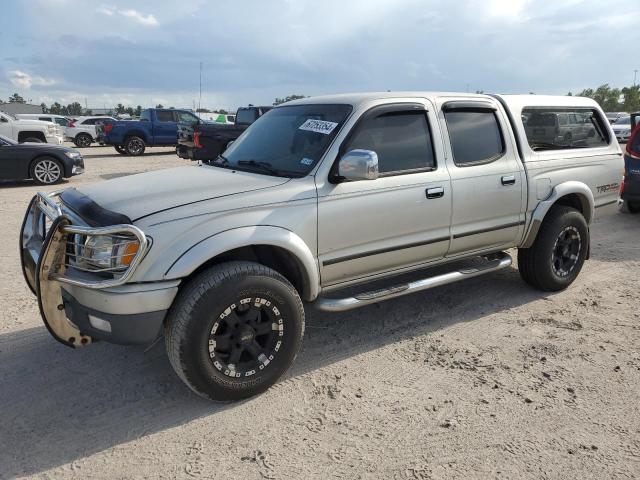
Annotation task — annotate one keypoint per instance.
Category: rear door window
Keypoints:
(574, 128)
(164, 116)
(475, 134)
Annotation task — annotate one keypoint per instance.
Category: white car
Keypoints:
(622, 128)
(82, 130)
(28, 130)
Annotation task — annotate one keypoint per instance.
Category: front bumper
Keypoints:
(54, 139)
(77, 306)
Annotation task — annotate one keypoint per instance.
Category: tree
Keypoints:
(44, 108)
(159, 105)
(74, 109)
(222, 111)
(203, 110)
(138, 110)
(15, 98)
(631, 98)
(120, 109)
(280, 101)
(55, 108)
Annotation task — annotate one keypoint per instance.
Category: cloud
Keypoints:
(142, 19)
(24, 80)
(139, 17)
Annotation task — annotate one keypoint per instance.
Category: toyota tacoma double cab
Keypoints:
(206, 140)
(337, 201)
(156, 127)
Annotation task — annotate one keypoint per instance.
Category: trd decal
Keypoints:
(608, 188)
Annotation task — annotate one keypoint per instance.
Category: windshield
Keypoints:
(623, 121)
(287, 141)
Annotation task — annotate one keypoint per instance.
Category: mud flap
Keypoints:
(51, 263)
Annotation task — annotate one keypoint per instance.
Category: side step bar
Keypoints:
(495, 262)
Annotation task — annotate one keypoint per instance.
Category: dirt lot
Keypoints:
(481, 379)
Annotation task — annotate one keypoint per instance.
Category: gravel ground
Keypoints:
(481, 379)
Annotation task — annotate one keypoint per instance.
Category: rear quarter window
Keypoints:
(558, 128)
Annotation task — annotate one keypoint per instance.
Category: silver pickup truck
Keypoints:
(338, 201)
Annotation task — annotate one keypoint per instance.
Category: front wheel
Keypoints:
(134, 146)
(556, 257)
(46, 171)
(234, 330)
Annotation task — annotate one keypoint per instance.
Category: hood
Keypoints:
(143, 194)
(38, 123)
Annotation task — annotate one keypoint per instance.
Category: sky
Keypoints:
(149, 51)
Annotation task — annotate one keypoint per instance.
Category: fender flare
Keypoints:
(136, 133)
(228, 240)
(571, 187)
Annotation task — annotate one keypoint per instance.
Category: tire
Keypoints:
(46, 171)
(548, 266)
(134, 146)
(120, 149)
(32, 140)
(83, 140)
(213, 318)
(633, 207)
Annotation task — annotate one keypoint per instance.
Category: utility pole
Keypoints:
(635, 73)
(200, 96)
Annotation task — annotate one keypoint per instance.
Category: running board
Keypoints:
(495, 262)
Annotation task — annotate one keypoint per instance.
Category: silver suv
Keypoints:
(315, 202)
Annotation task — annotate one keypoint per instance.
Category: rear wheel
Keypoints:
(46, 171)
(234, 330)
(32, 140)
(633, 207)
(134, 146)
(556, 257)
(83, 140)
(120, 149)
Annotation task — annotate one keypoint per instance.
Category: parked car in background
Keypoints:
(82, 130)
(156, 127)
(622, 128)
(566, 128)
(315, 201)
(60, 120)
(45, 164)
(29, 130)
(630, 187)
(215, 117)
(205, 141)
(614, 116)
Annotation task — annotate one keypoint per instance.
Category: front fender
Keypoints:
(572, 187)
(228, 240)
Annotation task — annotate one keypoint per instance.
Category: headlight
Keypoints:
(105, 252)
(72, 154)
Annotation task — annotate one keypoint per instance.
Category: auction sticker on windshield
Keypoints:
(318, 126)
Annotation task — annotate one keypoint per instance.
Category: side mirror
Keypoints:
(635, 120)
(358, 165)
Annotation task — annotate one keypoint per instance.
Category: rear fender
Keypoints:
(572, 187)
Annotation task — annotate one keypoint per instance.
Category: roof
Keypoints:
(513, 101)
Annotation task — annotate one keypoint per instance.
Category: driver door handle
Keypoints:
(435, 192)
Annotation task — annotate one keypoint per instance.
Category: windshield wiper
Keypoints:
(264, 166)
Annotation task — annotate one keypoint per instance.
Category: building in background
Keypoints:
(17, 108)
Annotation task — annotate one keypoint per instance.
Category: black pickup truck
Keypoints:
(205, 141)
